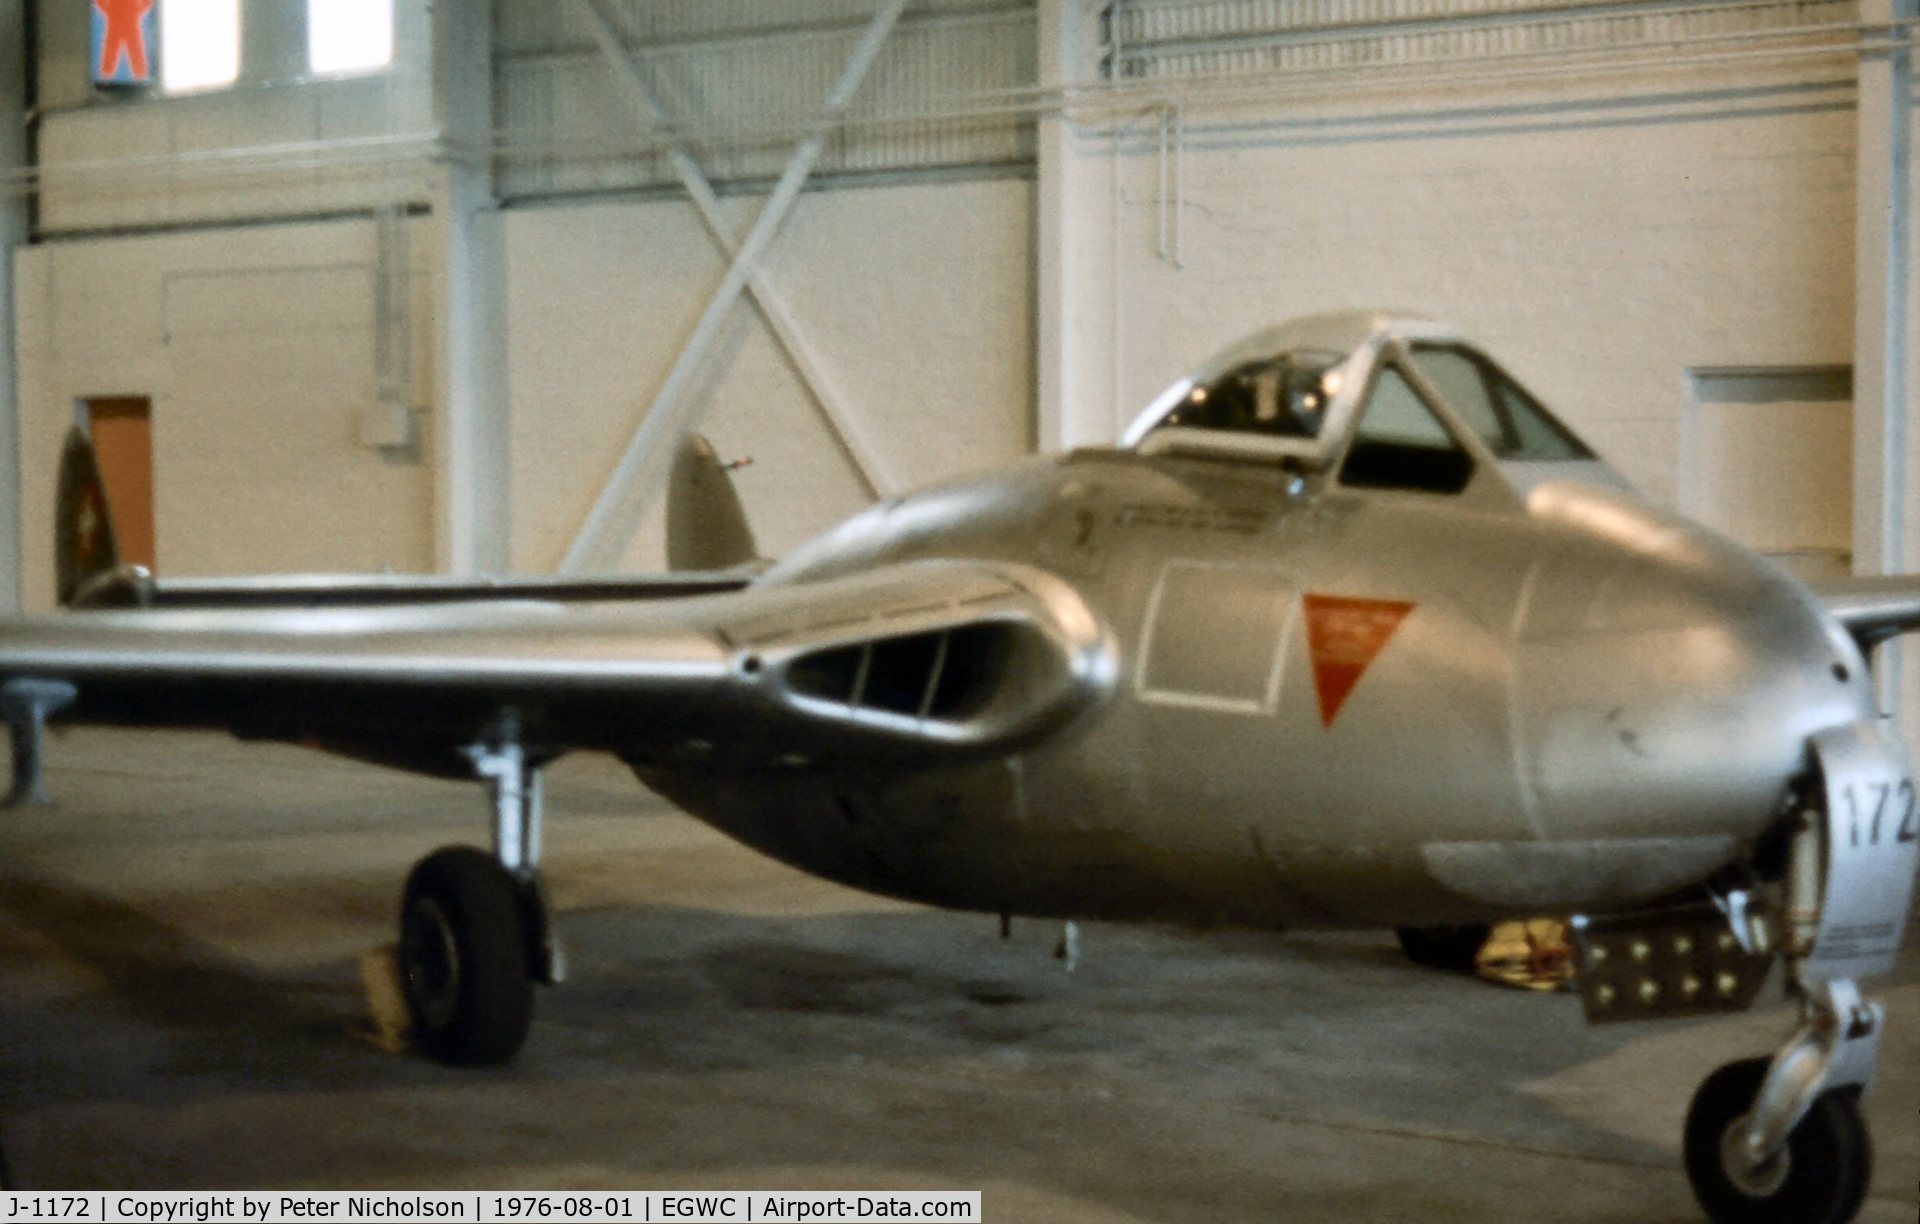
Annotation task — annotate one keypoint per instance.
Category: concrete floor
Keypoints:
(179, 944)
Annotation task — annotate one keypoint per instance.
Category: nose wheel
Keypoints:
(1819, 1175)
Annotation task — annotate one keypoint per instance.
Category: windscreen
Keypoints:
(1511, 422)
(1401, 444)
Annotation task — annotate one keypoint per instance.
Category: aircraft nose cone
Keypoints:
(1668, 679)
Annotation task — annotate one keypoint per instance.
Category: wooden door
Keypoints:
(122, 429)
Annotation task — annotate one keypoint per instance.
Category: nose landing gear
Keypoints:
(476, 932)
(1772, 1141)
(1784, 1139)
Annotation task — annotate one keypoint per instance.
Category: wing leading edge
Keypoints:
(131, 587)
(910, 662)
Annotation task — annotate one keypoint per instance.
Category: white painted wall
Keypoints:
(257, 348)
(1600, 249)
(277, 144)
(727, 68)
(916, 299)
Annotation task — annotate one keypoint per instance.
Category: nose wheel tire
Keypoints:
(1819, 1177)
(464, 964)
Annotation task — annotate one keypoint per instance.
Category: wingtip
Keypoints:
(707, 526)
(84, 546)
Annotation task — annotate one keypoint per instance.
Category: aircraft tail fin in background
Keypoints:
(1873, 609)
(87, 568)
(706, 525)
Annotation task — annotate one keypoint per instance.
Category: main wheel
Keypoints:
(464, 965)
(1820, 1177)
(1452, 948)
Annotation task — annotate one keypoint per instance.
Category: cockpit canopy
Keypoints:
(1281, 395)
(1394, 402)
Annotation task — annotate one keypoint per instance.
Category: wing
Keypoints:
(710, 548)
(910, 662)
(1873, 609)
(131, 587)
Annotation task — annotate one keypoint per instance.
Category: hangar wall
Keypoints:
(257, 349)
(255, 260)
(276, 144)
(739, 81)
(917, 301)
(1602, 251)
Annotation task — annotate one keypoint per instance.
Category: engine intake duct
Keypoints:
(947, 675)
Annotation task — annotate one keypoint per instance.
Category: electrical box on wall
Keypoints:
(387, 426)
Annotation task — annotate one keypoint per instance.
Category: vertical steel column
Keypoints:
(1883, 307)
(470, 443)
(13, 235)
(1056, 276)
(841, 423)
(637, 477)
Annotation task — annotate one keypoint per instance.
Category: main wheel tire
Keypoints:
(1820, 1177)
(1452, 948)
(464, 962)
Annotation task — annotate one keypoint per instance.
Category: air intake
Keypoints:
(946, 675)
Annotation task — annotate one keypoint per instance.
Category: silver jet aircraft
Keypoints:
(1348, 632)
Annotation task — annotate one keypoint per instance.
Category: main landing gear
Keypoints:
(1454, 949)
(1771, 1141)
(476, 933)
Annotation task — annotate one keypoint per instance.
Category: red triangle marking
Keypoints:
(1344, 636)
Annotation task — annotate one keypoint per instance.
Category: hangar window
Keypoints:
(1511, 422)
(199, 44)
(1401, 444)
(346, 36)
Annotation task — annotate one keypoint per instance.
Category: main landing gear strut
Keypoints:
(476, 932)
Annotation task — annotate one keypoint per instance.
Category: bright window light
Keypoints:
(349, 35)
(199, 44)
